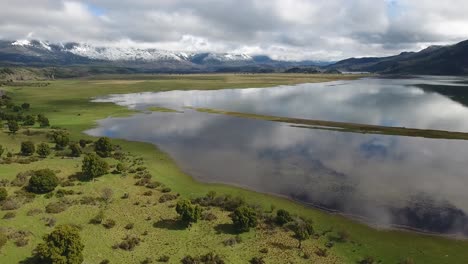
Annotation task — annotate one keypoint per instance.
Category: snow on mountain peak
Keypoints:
(23, 42)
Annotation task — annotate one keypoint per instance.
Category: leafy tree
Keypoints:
(43, 150)
(13, 126)
(61, 139)
(62, 246)
(103, 147)
(283, 217)
(27, 148)
(43, 121)
(244, 218)
(25, 106)
(43, 181)
(3, 194)
(188, 213)
(16, 108)
(75, 150)
(2, 150)
(93, 166)
(84, 142)
(302, 229)
(29, 120)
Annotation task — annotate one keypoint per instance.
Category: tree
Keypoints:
(13, 126)
(43, 181)
(29, 120)
(302, 229)
(43, 150)
(75, 150)
(3, 194)
(103, 147)
(244, 218)
(43, 121)
(27, 148)
(188, 213)
(93, 166)
(16, 108)
(62, 246)
(25, 106)
(283, 217)
(61, 139)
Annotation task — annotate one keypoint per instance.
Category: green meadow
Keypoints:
(67, 105)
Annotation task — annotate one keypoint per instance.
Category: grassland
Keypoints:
(347, 127)
(67, 104)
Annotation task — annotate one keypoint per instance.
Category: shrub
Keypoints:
(103, 147)
(129, 226)
(232, 241)
(27, 148)
(43, 181)
(166, 190)
(29, 120)
(129, 243)
(163, 258)
(10, 204)
(43, 121)
(167, 197)
(302, 229)
(9, 215)
(63, 245)
(75, 150)
(84, 142)
(22, 242)
(283, 217)
(209, 216)
(97, 219)
(107, 194)
(188, 213)
(2, 150)
(109, 223)
(367, 260)
(244, 218)
(120, 168)
(407, 261)
(93, 166)
(61, 139)
(321, 252)
(34, 211)
(147, 261)
(56, 207)
(13, 126)
(104, 261)
(257, 260)
(21, 178)
(43, 150)
(25, 106)
(3, 194)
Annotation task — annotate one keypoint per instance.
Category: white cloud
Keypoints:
(292, 29)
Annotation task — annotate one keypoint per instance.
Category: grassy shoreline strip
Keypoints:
(346, 127)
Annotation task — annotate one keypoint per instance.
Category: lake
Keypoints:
(383, 180)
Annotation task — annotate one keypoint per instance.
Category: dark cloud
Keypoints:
(293, 29)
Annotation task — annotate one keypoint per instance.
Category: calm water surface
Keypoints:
(386, 180)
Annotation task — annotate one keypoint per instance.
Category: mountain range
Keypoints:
(434, 60)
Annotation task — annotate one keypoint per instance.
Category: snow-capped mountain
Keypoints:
(131, 54)
(42, 53)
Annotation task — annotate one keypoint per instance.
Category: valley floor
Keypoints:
(67, 104)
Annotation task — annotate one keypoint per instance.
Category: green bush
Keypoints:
(63, 245)
(3, 239)
(43, 150)
(43, 181)
(27, 148)
(61, 139)
(13, 126)
(93, 166)
(283, 217)
(302, 229)
(29, 120)
(3, 194)
(103, 147)
(244, 218)
(75, 150)
(1, 150)
(188, 213)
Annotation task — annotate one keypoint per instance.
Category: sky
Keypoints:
(282, 29)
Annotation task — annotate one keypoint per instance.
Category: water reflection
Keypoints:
(385, 179)
(390, 102)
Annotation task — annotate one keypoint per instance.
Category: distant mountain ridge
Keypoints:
(41, 53)
(434, 60)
